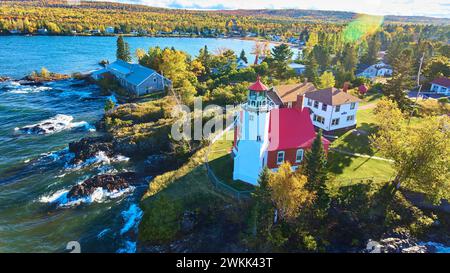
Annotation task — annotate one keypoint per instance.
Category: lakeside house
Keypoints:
(137, 79)
(441, 85)
(298, 68)
(332, 109)
(379, 69)
(265, 135)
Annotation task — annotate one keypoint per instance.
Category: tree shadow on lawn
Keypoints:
(355, 142)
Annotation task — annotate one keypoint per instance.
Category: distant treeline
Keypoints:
(62, 18)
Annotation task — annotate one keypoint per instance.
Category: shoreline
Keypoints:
(255, 39)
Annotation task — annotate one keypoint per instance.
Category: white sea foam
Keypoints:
(99, 195)
(440, 248)
(129, 247)
(55, 124)
(102, 233)
(99, 159)
(132, 217)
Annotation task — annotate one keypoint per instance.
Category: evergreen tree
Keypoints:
(281, 58)
(312, 70)
(123, 50)
(264, 208)
(243, 57)
(374, 46)
(349, 58)
(316, 171)
(401, 81)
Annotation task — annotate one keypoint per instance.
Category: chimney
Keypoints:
(299, 102)
(345, 87)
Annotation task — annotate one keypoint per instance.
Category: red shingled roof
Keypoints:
(442, 81)
(291, 128)
(258, 86)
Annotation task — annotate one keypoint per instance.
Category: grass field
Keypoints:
(221, 163)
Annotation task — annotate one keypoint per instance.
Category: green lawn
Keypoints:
(221, 163)
(351, 167)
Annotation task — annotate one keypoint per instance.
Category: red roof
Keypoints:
(442, 81)
(291, 128)
(258, 86)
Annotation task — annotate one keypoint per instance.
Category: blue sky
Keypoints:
(435, 8)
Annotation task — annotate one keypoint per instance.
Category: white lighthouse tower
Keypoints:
(252, 135)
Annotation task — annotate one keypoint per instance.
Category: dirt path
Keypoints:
(362, 155)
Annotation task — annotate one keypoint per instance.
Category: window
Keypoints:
(319, 119)
(309, 102)
(289, 104)
(350, 118)
(316, 104)
(352, 106)
(250, 117)
(280, 157)
(324, 107)
(337, 108)
(299, 156)
(154, 80)
(335, 122)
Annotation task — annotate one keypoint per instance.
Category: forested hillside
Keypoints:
(59, 17)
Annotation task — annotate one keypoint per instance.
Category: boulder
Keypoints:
(397, 242)
(89, 147)
(107, 182)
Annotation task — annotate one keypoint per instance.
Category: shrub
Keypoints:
(161, 221)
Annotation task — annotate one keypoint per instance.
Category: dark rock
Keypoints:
(107, 182)
(397, 242)
(90, 147)
(4, 79)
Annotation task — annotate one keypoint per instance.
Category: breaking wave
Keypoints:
(100, 158)
(99, 195)
(53, 125)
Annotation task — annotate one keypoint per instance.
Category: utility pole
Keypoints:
(420, 88)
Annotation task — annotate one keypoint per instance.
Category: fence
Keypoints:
(218, 184)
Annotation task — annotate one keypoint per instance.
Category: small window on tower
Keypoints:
(309, 102)
(280, 157)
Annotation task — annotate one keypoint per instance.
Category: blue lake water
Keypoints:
(34, 175)
(67, 54)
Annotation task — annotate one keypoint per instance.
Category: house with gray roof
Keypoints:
(137, 79)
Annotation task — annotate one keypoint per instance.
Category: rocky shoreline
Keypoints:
(108, 182)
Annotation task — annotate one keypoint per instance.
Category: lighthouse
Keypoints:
(251, 135)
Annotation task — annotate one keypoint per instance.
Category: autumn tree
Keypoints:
(123, 50)
(289, 192)
(326, 80)
(419, 152)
